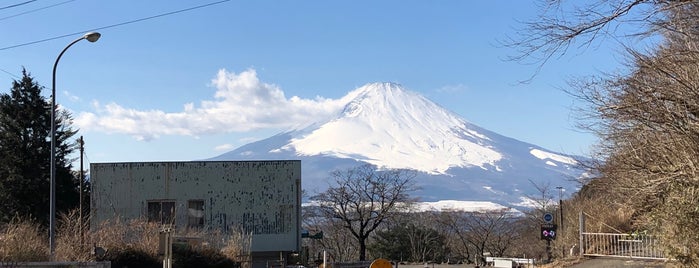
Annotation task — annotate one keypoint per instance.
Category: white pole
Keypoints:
(325, 264)
(167, 260)
(582, 230)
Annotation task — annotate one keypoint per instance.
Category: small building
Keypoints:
(259, 197)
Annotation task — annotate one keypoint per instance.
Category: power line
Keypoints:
(11, 74)
(16, 5)
(35, 10)
(115, 25)
(87, 161)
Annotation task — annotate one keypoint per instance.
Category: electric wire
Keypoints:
(115, 25)
(35, 10)
(16, 5)
(86, 158)
(9, 73)
(86, 161)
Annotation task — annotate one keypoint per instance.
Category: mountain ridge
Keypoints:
(390, 127)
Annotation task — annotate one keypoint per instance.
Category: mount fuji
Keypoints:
(390, 127)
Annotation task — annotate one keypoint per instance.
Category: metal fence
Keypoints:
(621, 245)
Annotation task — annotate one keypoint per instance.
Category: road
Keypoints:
(619, 263)
(588, 263)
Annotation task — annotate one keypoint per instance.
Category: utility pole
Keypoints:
(81, 175)
(560, 205)
(560, 209)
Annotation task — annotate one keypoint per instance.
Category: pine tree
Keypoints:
(25, 154)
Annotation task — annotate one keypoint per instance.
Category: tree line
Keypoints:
(368, 213)
(646, 115)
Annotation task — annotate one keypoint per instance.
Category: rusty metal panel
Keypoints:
(261, 197)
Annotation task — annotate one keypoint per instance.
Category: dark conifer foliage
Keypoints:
(25, 154)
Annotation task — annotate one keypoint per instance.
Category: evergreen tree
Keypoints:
(25, 154)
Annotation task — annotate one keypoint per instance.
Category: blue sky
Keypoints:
(195, 84)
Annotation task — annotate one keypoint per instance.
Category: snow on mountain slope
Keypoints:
(552, 156)
(457, 205)
(390, 127)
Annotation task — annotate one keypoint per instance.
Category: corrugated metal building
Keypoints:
(261, 197)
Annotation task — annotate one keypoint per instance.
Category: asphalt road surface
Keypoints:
(619, 263)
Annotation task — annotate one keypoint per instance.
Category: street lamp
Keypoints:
(92, 37)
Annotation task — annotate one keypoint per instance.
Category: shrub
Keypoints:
(132, 258)
(200, 257)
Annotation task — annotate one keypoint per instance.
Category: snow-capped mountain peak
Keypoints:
(388, 126)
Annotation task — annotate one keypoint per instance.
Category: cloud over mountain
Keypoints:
(240, 103)
(390, 127)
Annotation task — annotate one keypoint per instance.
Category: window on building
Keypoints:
(161, 211)
(195, 213)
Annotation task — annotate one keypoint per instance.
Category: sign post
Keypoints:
(548, 232)
(548, 217)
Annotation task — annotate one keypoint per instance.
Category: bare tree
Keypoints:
(484, 231)
(647, 118)
(542, 203)
(458, 234)
(336, 240)
(412, 237)
(424, 243)
(561, 24)
(364, 198)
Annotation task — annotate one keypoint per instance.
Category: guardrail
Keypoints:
(521, 262)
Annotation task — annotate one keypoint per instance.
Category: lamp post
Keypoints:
(92, 37)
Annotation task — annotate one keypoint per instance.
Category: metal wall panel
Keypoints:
(261, 197)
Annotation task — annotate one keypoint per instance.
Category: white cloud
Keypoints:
(241, 103)
(224, 147)
(453, 89)
(70, 96)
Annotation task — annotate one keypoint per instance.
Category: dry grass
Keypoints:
(70, 244)
(24, 240)
(119, 235)
(237, 247)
